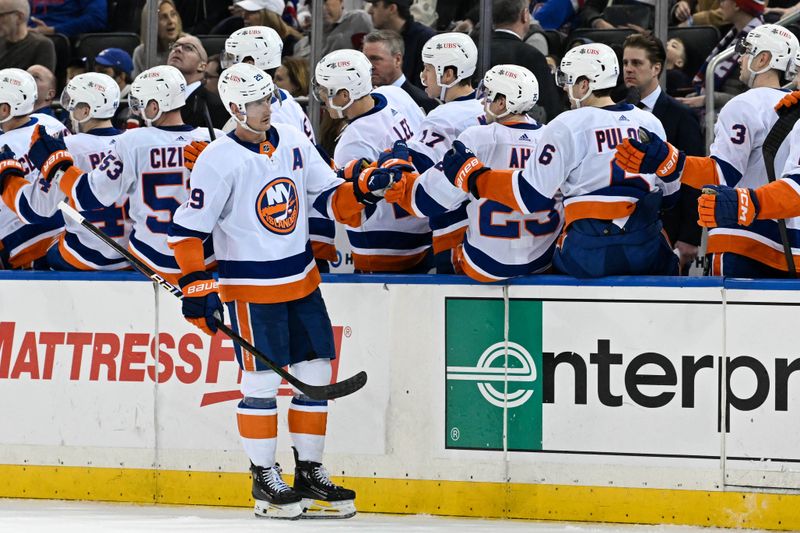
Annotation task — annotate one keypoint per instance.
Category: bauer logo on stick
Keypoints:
(277, 206)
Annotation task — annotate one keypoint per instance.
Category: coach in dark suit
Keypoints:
(384, 49)
(642, 62)
(512, 20)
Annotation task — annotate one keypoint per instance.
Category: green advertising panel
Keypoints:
(479, 388)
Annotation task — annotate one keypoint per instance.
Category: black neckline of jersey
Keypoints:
(181, 127)
(272, 137)
(622, 106)
(380, 104)
(470, 96)
(104, 132)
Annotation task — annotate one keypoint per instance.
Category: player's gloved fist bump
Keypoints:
(654, 156)
(398, 157)
(720, 205)
(353, 168)
(787, 102)
(462, 168)
(191, 152)
(201, 303)
(373, 183)
(49, 154)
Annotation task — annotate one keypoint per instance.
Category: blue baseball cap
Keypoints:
(117, 58)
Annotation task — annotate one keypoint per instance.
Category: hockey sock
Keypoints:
(258, 426)
(308, 420)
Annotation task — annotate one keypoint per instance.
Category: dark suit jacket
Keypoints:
(415, 35)
(192, 112)
(683, 131)
(509, 49)
(418, 95)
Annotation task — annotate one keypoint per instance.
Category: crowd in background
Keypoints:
(391, 33)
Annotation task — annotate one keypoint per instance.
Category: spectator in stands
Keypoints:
(744, 15)
(384, 49)
(678, 82)
(188, 55)
(554, 14)
(697, 13)
(261, 13)
(213, 70)
(395, 15)
(69, 17)
(20, 48)
(117, 63)
(594, 14)
(45, 93)
(76, 65)
(292, 76)
(170, 27)
(457, 15)
(511, 21)
(643, 61)
(343, 28)
(199, 16)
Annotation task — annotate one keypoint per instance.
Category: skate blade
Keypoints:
(315, 509)
(289, 511)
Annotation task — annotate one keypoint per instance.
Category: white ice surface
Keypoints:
(51, 516)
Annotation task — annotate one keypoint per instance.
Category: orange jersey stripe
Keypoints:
(243, 320)
(718, 244)
(69, 257)
(67, 182)
(324, 250)
(257, 426)
(402, 193)
(470, 271)
(346, 209)
(699, 171)
(386, 263)
(33, 252)
(189, 254)
(270, 294)
(498, 185)
(598, 210)
(310, 423)
(448, 241)
(11, 190)
(777, 200)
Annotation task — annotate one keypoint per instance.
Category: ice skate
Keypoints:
(320, 497)
(274, 498)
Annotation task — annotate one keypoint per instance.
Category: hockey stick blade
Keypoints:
(315, 392)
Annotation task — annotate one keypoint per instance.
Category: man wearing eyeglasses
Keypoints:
(19, 47)
(188, 55)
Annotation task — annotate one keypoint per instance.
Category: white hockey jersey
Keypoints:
(25, 235)
(402, 101)
(146, 166)
(576, 155)
(255, 202)
(739, 135)
(499, 242)
(77, 245)
(389, 239)
(438, 131)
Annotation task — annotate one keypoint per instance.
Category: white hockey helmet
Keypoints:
(260, 43)
(98, 91)
(777, 40)
(164, 84)
(339, 70)
(454, 50)
(516, 83)
(596, 62)
(18, 90)
(242, 84)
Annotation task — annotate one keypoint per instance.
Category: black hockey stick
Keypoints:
(769, 149)
(315, 392)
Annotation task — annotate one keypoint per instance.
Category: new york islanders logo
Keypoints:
(277, 206)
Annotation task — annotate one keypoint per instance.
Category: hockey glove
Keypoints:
(398, 157)
(462, 168)
(373, 183)
(352, 169)
(787, 103)
(9, 166)
(201, 304)
(725, 206)
(191, 152)
(49, 154)
(651, 156)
